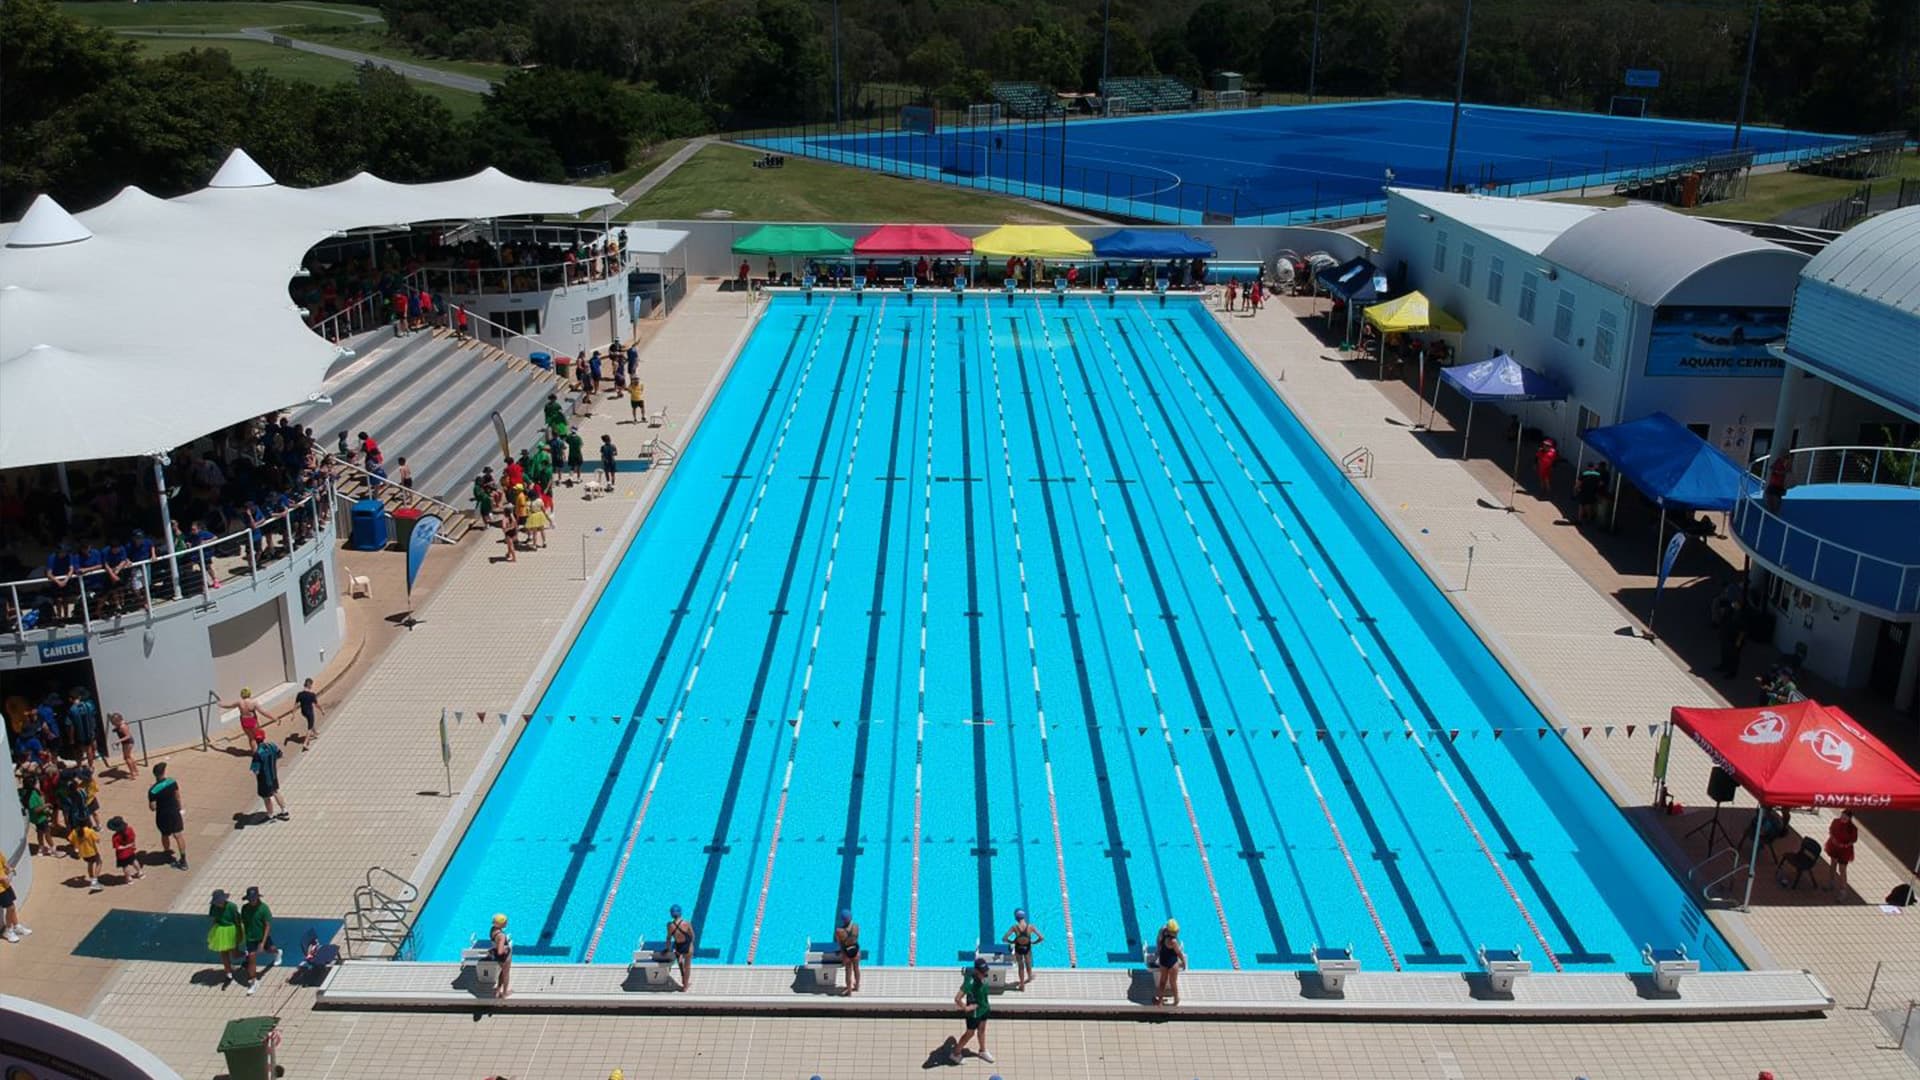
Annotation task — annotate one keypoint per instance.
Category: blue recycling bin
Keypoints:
(543, 361)
(369, 526)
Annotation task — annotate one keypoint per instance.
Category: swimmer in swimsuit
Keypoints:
(680, 940)
(1023, 936)
(847, 936)
(1170, 957)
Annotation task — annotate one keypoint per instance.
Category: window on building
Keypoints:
(1588, 419)
(1563, 318)
(1603, 335)
(1440, 251)
(1529, 293)
(1496, 279)
(1466, 265)
(519, 321)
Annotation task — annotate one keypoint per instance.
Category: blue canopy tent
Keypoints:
(1356, 281)
(1501, 378)
(1151, 244)
(1671, 465)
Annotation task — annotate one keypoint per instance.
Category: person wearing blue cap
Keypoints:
(847, 936)
(680, 940)
(1023, 936)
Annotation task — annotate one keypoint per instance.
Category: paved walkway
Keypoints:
(371, 795)
(663, 170)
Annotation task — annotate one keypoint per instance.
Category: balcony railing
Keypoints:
(99, 597)
(1889, 587)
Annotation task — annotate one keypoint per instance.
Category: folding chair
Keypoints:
(1804, 862)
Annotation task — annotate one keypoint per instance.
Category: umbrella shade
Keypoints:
(1658, 455)
(805, 241)
(1412, 312)
(1151, 244)
(912, 240)
(1502, 379)
(1036, 241)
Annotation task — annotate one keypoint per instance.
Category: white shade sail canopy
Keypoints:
(145, 323)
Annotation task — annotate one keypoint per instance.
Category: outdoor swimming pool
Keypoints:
(1291, 164)
(958, 606)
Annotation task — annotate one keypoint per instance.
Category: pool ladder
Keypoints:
(380, 926)
(659, 452)
(1699, 871)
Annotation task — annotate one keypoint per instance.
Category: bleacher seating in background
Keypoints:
(1025, 100)
(430, 397)
(1149, 94)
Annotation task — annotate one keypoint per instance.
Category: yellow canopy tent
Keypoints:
(1035, 241)
(1407, 313)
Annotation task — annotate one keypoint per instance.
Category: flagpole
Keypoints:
(1659, 548)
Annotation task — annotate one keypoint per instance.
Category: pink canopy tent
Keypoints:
(912, 240)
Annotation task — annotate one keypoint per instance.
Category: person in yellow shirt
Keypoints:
(86, 845)
(10, 927)
(637, 399)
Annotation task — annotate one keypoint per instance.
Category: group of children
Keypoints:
(62, 799)
(1247, 298)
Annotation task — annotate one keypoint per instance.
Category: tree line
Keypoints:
(1838, 65)
(83, 114)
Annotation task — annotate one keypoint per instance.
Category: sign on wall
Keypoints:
(1646, 78)
(313, 590)
(1716, 341)
(68, 648)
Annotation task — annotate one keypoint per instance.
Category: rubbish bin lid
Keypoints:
(539, 356)
(407, 512)
(370, 505)
(247, 1032)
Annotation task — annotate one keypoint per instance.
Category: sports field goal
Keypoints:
(1230, 99)
(983, 115)
(1117, 106)
(1627, 105)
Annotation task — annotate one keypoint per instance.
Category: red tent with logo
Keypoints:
(912, 240)
(1798, 754)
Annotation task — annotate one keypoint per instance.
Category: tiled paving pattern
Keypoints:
(355, 806)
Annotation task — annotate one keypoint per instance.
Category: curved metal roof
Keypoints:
(1645, 252)
(1879, 259)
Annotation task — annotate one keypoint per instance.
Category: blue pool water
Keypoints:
(1285, 165)
(954, 607)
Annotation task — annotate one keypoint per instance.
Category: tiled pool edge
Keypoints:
(479, 782)
(1732, 925)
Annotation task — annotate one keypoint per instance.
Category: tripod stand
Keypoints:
(1721, 788)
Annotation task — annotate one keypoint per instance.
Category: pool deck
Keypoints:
(1108, 994)
(370, 794)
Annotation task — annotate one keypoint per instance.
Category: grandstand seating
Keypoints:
(430, 398)
(1156, 94)
(1028, 101)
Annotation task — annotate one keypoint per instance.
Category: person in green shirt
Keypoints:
(556, 413)
(974, 1001)
(540, 469)
(256, 930)
(39, 813)
(576, 453)
(223, 936)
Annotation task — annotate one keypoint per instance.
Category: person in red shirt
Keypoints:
(746, 272)
(513, 475)
(460, 322)
(1543, 460)
(400, 310)
(369, 450)
(426, 308)
(126, 850)
(1842, 835)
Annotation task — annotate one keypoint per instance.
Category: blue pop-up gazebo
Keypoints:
(1151, 244)
(1672, 465)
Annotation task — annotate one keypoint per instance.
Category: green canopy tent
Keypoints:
(799, 242)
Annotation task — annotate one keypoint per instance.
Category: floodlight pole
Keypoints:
(1746, 80)
(1106, 42)
(1313, 56)
(1459, 90)
(836, 65)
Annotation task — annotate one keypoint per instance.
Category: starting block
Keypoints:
(1334, 965)
(1668, 966)
(653, 962)
(1503, 966)
(477, 958)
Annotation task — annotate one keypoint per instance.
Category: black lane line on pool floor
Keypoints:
(983, 847)
(718, 848)
(1116, 852)
(850, 846)
(1250, 853)
(1577, 953)
(1382, 851)
(584, 845)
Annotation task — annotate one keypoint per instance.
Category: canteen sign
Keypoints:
(1716, 341)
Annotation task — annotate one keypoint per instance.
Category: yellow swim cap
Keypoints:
(245, 692)
(1173, 926)
(499, 920)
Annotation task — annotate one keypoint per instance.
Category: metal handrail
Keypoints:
(553, 350)
(380, 917)
(377, 482)
(351, 320)
(1839, 458)
(477, 276)
(1752, 504)
(206, 740)
(200, 553)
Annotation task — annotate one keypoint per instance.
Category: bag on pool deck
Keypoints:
(1901, 896)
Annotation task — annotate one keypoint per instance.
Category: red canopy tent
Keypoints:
(913, 240)
(1801, 753)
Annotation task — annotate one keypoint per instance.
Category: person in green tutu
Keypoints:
(223, 937)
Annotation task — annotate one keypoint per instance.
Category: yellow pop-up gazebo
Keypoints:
(1404, 314)
(1033, 241)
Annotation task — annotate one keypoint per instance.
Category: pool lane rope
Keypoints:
(813, 645)
(920, 691)
(706, 639)
(1239, 625)
(1139, 643)
(1026, 615)
(1406, 726)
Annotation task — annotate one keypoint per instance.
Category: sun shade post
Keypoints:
(1753, 860)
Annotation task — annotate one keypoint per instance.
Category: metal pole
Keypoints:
(1746, 79)
(836, 66)
(1659, 545)
(1872, 984)
(1468, 583)
(166, 521)
(1313, 56)
(1753, 862)
(1106, 42)
(1459, 89)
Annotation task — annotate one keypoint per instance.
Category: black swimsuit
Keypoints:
(851, 946)
(1169, 956)
(1022, 942)
(682, 946)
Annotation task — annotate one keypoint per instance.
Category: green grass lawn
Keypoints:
(297, 66)
(374, 40)
(643, 163)
(190, 16)
(723, 178)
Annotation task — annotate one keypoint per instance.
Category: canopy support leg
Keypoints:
(166, 523)
(1753, 859)
(1466, 439)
